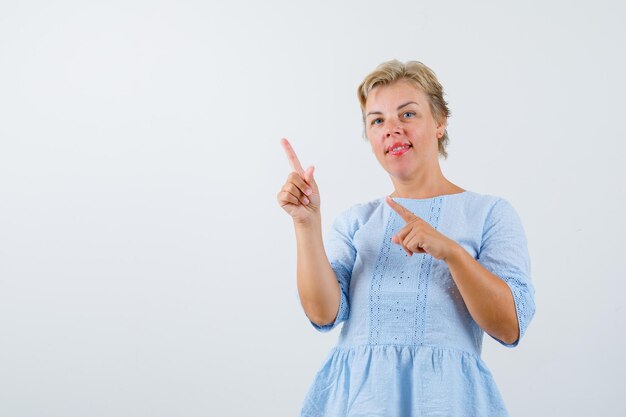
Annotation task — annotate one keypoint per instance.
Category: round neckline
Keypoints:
(430, 198)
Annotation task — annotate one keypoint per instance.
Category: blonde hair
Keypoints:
(419, 75)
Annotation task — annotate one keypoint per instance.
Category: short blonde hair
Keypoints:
(422, 77)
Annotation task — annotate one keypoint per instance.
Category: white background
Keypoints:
(145, 266)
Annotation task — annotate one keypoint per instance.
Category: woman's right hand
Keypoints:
(299, 196)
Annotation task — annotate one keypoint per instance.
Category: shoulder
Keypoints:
(497, 216)
(486, 206)
(361, 212)
(480, 201)
(483, 212)
(499, 209)
(355, 216)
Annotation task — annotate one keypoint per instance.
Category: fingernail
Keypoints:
(308, 191)
(306, 200)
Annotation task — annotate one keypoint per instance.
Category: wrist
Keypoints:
(455, 252)
(311, 222)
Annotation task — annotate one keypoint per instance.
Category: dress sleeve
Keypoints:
(504, 252)
(341, 254)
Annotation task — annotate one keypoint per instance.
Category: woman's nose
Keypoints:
(394, 129)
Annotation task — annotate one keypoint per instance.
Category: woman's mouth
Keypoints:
(398, 149)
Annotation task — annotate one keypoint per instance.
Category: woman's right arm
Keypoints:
(318, 287)
(317, 284)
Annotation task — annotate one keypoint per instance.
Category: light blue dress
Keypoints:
(408, 345)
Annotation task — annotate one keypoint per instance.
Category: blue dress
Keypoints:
(408, 345)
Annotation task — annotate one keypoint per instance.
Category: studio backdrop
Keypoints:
(146, 268)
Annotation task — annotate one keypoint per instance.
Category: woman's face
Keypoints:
(401, 129)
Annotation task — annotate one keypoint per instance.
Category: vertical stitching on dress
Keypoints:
(423, 278)
(377, 280)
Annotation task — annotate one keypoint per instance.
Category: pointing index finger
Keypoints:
(406, 214)
(293, 158)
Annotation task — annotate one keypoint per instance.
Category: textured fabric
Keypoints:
(408, 345)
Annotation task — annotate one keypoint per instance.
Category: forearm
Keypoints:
(317, 284)
(488, 298)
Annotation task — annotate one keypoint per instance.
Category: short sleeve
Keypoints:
(341, 254)
(504, 252)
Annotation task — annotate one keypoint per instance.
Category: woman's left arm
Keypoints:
(488, 298)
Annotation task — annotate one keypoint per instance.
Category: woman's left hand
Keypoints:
(418, 236)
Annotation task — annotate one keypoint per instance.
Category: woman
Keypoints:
(417, 277)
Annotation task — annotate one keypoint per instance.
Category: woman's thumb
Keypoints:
(308, 175)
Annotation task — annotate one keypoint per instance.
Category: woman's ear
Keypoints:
(441, 128)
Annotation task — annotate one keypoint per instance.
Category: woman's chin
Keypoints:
(399, 174)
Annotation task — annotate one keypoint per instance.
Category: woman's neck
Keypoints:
(425, 187)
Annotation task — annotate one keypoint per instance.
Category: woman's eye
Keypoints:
(409, 114)
(377, 121)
